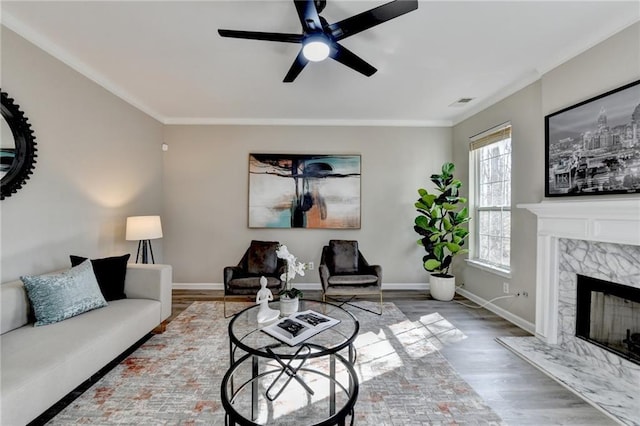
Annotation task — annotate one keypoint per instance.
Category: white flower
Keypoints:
(283, 252)
(293, 266)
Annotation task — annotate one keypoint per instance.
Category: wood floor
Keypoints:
(515, 390)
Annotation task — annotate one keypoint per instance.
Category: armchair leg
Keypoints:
(225, 307)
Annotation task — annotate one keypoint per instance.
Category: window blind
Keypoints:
(490, 136)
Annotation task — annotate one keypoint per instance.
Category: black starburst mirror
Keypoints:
(17, 148)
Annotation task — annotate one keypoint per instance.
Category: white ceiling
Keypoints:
(167, 59)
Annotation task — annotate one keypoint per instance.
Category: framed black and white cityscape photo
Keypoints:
(593, 148)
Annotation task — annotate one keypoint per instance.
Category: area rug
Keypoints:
(174, 378)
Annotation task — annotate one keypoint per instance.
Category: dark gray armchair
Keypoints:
(259, 260)
(345, 272)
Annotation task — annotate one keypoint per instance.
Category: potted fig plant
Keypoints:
(289, 295)
(440, 224)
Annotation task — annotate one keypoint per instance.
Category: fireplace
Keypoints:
(614, 222)
(608, 316)
(597, 238)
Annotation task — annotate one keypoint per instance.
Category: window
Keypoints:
(490, 198)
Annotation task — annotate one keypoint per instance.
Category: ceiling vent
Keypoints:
(461, 102)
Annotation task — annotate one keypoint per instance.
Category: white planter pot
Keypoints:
(442, 288)
(288, 306)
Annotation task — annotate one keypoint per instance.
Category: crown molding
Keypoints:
(44, 43)
(517, 85)
(534, 75)
(305, 122)
(53, 49)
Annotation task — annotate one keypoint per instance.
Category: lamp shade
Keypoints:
(143, 228)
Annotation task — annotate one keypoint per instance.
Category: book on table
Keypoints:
(300, 326)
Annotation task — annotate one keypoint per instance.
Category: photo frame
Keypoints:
(593, 147)
(304, 191)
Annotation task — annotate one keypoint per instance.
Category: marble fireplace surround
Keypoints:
(598, 238)
(615, 221)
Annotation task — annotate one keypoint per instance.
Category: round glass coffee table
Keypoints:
(272, 382)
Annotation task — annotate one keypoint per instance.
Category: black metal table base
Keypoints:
(290, 371)
(269, 379)
(336, 415)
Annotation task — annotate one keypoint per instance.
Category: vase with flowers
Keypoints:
(289, 295)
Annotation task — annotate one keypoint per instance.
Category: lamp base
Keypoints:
(144, 246)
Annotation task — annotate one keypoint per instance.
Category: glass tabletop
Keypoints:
(246, 333)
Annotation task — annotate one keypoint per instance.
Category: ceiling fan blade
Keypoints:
(350, 59)
(308, 15)
(257, 35)
(296, 68)
(371, 18)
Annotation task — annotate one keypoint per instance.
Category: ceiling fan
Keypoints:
(320, 39)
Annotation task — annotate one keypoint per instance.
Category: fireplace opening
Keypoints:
(608, 315)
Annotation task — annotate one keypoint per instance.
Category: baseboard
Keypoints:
(198, 286)
(301, 286)
(405, 286)
(503, 313)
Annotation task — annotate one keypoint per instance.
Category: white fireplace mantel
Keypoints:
(611, 221)
(607, 220)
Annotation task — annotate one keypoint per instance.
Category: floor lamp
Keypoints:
(144, 229)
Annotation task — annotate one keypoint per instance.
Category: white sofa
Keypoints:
(40, 365)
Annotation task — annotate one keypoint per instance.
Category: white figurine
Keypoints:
(264, 296)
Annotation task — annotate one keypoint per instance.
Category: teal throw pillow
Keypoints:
(56, 297)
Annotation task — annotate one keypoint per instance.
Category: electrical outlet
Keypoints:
(310, 266)
(505, 288)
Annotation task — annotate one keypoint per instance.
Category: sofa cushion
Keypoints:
(40, 365)
(14, 306)
(353, 280)
(345, 256)
(262, 258)
(56, 297)
(110, 273)
(251, 285)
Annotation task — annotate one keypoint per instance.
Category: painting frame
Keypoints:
(304, 191)
(587, 153)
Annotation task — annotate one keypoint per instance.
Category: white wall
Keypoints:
(206, 194)
(99, 161)
(527, 142)
(606, 66)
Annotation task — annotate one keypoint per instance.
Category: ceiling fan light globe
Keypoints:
(316, 50)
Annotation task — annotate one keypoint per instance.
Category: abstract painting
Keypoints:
(304, 191)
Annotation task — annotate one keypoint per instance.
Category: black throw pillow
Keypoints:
(110, 273)
(262, 258)
(345, 256)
